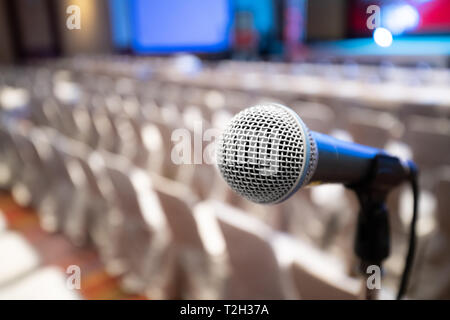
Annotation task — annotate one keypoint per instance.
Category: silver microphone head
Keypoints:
(266, 153)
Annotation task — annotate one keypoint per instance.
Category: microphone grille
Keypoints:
(266, 153)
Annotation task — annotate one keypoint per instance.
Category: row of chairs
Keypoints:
(138, 123)
(370, 127)
(151, 231)
(377, 131)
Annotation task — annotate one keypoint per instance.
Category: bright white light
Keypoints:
(399, 18)
(382, 37)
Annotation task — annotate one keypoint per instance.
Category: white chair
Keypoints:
(200, 249)
(255, 272)
(139, 231)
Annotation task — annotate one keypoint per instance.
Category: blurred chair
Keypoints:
(17, 257)
(200, 252)
(66, 112)
(443, 200)
(169, 148)
(429, 139)
(140, 231)
(109, 138)
(315, 275)
(51, 114)
(10, 164)
(86, 200)
(84, 122)
(255, 271)
(373, 128)
(53, 207)
(32, 187)
(48, 283)
(317, 117)
(432, 267)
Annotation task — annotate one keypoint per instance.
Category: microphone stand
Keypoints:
(372, 239)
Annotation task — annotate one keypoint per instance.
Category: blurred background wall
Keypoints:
(333, 12)
(95, 18)
(7, 53)
(241, 29)
(37, 28)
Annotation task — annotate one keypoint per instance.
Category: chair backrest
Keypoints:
(46, 142)
(11, 161)
(67, 119)
(50, 112)
(201, 257)
(176, 202)
(373, 128)
(74, 153)
(143, 237)
(11, 148)
(28, 151)
(317, 117)
(124, 190)
(443, 200)
(429, 139)
(169, 169)
(254, 269)
(315, 274)
(108, 135)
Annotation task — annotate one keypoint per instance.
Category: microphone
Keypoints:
(267, 153)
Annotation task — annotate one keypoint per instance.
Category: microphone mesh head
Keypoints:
(266, 153)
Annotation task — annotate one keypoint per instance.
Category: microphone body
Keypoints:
(341, 161)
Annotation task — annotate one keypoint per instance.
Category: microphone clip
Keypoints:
(372, 238)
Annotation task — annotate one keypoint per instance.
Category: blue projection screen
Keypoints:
(161, 26)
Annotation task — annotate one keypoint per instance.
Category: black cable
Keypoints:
(412, 236)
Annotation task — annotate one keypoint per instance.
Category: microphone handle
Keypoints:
(341, 161)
